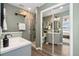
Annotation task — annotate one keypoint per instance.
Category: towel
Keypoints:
(4, 25)
(4, 22)
(21, 26)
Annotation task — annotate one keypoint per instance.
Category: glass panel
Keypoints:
(61, 30)
(47, 32)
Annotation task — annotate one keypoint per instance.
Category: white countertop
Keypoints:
(14, 43)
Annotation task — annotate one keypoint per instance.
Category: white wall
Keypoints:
(76, 29)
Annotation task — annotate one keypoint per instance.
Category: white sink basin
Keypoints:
(14, 43)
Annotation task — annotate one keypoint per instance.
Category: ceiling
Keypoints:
(28, 6)
(56, 10)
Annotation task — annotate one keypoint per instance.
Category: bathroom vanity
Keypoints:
(18, 46)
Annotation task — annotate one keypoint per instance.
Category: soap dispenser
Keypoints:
(5, 41)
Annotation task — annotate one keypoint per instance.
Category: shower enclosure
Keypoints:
(55, 30)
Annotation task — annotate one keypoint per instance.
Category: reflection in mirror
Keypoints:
(47, 32)
(57, 25)
(18, 21)
(10, 21)
(61, 30)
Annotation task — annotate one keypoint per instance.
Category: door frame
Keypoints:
(71, 24)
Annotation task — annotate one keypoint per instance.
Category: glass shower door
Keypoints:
(47, 44)
(55, 38)
(61, 42)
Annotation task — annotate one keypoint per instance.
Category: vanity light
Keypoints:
(21, 12)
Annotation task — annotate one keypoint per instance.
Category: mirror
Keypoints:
(56, 30)
(47, 44)
(10, 20)
(22, 22)
(61, 30)
(57, 25)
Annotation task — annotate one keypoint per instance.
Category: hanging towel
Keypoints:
(4, 25)
(4, 22)
(21, 26)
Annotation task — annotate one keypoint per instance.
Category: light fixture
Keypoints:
(29, 9)
(61, 7)
(21, 12)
